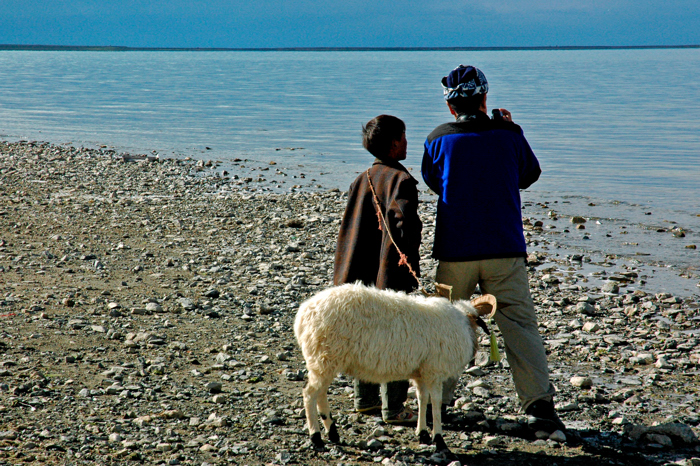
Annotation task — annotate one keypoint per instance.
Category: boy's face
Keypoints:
(398, 148)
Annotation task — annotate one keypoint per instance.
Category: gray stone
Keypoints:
(283, 457)
(662, 363)
(374, 444)
(591, 327)
(660, 439)
(187, 304)
(682, 432)
(581, 382)
(491, 441)
(558, 436)
(567, 407)
(610, 287)
(154, 307)
(214, 387)
(585, 308)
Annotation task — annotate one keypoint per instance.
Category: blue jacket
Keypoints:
(477, 168)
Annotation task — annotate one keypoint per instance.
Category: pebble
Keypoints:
(610, 287)
(214, 387)
(591, 327)
(568, 406)
(491, 441)
(663, 363)
(154, 307)
(581, 382)
(187, 304)
(586, 308)
(558, 436)
(374, 444)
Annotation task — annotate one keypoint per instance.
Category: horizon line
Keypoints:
(114, 48)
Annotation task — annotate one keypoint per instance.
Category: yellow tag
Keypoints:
(494, 355)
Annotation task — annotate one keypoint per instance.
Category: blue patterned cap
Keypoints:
(464, 81)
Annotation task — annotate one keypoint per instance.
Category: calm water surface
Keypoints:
(618, 128)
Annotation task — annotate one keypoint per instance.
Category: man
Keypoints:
(384, 195)
(477, 166)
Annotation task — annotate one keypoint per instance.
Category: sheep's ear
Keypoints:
(444, 291)
(485, 305)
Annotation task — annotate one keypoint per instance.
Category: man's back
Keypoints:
(477, 167)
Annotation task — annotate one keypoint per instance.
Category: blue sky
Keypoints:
(350, 23)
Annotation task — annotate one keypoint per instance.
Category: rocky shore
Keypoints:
(146, 311)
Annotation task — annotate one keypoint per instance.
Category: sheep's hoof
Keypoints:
(424, 437)
(333, 434)
(316, 442)
(440, 445)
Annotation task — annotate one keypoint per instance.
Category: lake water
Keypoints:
(616, 128)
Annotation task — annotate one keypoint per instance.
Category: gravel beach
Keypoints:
(146, 311)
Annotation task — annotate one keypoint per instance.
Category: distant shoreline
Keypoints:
(72, 48)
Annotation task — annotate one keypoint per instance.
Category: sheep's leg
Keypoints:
(436, 400)
(326, 417)
(314, 387)
(422, 428)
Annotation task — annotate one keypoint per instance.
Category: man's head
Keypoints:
(465, 90)
(385, 137)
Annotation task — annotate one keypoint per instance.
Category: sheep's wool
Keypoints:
(380, 335)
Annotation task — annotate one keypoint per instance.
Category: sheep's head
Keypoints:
(475, 309)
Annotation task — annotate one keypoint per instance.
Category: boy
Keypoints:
(384, 195)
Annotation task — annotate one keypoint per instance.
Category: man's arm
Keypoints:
(431, 170)
(530, 169)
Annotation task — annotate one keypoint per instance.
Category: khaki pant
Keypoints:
(506, 279)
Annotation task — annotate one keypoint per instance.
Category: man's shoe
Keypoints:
(543, 417)
(405, 417)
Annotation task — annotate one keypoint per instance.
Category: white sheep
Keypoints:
(381, 336)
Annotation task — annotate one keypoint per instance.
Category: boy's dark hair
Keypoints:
(380, 132)
(466, 105)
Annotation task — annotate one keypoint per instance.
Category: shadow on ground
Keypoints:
(583, 447)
